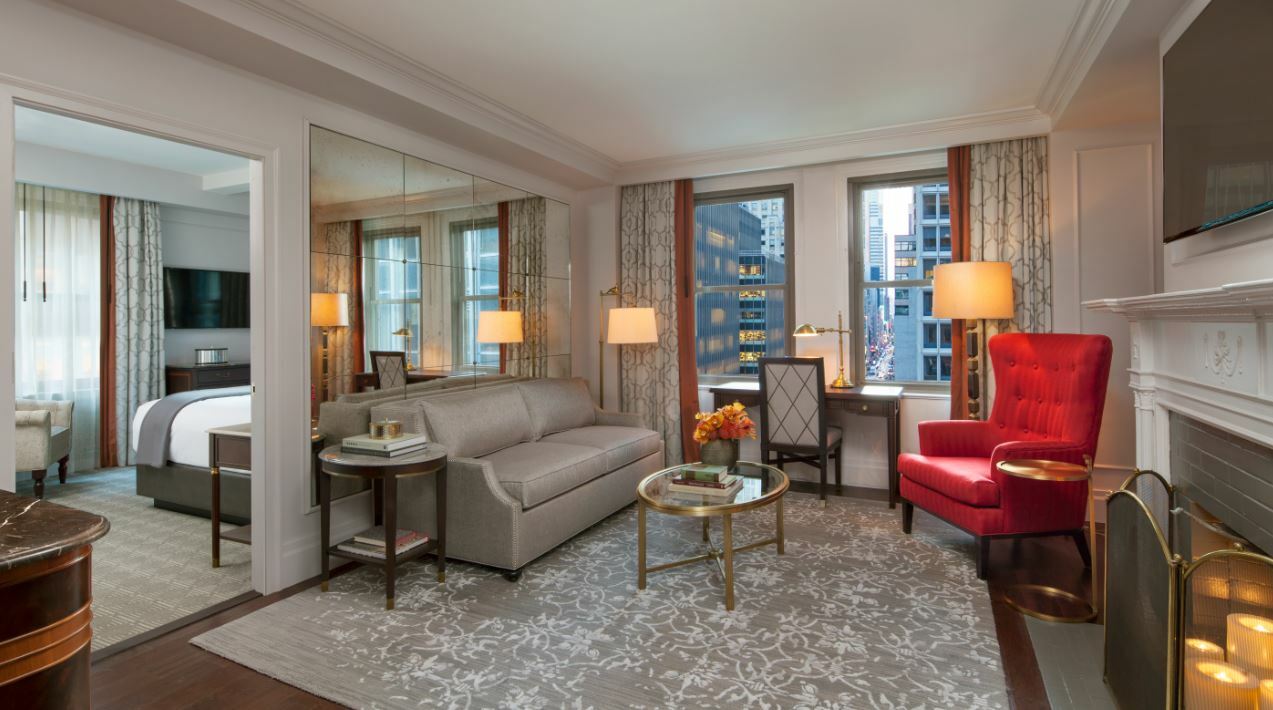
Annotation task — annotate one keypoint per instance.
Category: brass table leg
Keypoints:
(215, 514)
(782, 537)
(728, 521)
(706, 522)
(640, 545)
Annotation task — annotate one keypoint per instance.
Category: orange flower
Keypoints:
(728, 422)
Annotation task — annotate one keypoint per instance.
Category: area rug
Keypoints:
(854, 615)
(154, 566)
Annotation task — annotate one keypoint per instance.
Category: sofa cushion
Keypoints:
(965, 479)
(622, 444)
(558, 404)
(475, 423)
(534, 472)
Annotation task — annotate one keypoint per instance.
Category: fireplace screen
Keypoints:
(1140, 580)
(1195, 635)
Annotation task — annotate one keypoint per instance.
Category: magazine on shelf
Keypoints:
(378, 551)
(376, 536)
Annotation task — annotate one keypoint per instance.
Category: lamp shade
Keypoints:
(499, 327)
(632, 325)
(329, 310)
(973, 290)
(805, 330)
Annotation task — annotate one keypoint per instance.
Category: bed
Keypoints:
(182, 483)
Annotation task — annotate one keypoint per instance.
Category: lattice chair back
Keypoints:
(390, 368)
(793, 411)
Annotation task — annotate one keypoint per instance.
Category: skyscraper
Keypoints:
(922, 342)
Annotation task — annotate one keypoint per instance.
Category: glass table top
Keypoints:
(761, 485)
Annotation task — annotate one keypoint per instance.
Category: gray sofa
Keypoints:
(532, 464)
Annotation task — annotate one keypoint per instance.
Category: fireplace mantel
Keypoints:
(1207, 354)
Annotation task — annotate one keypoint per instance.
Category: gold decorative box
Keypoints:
(386, 429)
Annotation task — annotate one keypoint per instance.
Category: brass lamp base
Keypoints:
(840, 382)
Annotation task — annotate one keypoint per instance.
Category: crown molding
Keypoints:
(1086, 37)
(872, 142)
(333, 43)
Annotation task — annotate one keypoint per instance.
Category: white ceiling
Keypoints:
(57, 131)
(645, 80)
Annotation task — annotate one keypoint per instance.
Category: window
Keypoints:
(391, 290)
(742, 277)
(897, 338)
(477, 244)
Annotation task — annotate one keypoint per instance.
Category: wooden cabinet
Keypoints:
(204, 377)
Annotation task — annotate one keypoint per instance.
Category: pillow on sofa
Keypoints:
(476, 423)
(557, 405)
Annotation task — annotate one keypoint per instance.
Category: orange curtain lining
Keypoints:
(686, 359)
(958, 162)
(108, 446)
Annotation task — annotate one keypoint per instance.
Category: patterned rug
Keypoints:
(855, 615)
(154, 566)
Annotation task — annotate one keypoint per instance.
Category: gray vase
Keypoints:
(719, 452)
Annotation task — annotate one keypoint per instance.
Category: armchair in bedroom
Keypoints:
(1049, 397)
(43, 438)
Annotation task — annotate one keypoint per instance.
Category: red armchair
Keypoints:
(1049, 397)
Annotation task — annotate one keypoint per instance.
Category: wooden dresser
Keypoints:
(182, 378)
(46, 553)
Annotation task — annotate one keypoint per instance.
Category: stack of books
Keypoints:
(388, 448)
(371, 542)
(702, 479)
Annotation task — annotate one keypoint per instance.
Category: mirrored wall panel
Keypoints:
(425, 278)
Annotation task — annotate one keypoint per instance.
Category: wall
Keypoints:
(134, 81)
(1105, 235)
(199, 239)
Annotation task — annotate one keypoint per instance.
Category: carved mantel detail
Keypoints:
(1222, 358)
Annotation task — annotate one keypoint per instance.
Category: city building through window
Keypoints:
(742, 280)
(902, 233)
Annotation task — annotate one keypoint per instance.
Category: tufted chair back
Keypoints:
(1050, 386)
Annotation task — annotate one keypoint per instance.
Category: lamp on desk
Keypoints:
(628, 326)
(327, 311)
(405, 332)
(973, 291)
(808, 330)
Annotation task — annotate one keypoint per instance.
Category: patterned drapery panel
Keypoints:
(139, 314)
(332, 270)
(1008, 221)
(527, 262)
(650, 374)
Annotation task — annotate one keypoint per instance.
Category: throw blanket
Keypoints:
(152, 442)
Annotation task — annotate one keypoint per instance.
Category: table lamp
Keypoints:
(405, 332)
(501, 327)
(327, 311)
(973, 291)
(628, 326)
(808, 330)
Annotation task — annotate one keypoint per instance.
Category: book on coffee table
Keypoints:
(704, 472)
(734, 485)
(364, 443)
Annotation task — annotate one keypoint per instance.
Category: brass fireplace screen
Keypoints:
(1191, 631)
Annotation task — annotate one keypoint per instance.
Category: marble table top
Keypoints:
(33, 529)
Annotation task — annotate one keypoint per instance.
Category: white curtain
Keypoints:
(139, 315)
(58, 255)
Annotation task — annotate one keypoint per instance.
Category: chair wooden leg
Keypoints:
(822, 479)
(1080, 541)
(983, 556)
(61, 468)
(908, 516)
(38, 478)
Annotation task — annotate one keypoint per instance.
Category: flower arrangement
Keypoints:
(729, 422)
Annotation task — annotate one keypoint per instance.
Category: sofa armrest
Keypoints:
(956, 437)
(33, 439)
(629, 419)
(59, 409)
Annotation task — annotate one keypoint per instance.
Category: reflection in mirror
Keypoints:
(448, 281)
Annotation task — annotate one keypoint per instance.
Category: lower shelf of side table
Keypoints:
(428, 548)
(242, 534)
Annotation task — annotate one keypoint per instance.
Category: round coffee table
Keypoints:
(1026, 598)
(762, 485)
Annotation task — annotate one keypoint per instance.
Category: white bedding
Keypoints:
(188, 439)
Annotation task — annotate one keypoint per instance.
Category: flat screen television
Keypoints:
(1218, 119)
(195, 298)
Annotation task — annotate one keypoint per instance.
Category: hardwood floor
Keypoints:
(169, 671)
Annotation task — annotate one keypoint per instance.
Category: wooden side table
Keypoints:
(383, 474)
(230, 447)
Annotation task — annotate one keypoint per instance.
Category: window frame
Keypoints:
(462, 268)
(859, 283)
(748, 194)
(368, 266)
